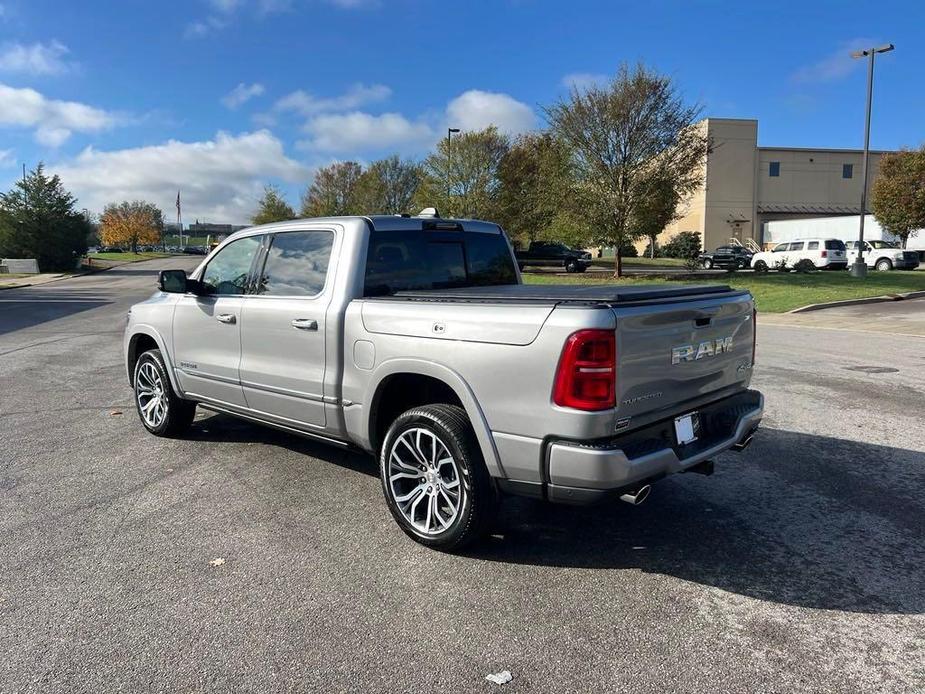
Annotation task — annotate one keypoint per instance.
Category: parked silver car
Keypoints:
(414, 339)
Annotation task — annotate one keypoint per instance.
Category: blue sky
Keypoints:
(215, 97)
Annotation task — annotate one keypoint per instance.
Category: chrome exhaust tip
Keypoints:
(637, 497)
(743, 444)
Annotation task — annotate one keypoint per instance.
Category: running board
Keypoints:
(281, 427)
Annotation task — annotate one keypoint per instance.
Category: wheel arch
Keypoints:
(142, 339)
(404, 376)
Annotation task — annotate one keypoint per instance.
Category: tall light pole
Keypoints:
(449, 133)
(859, 268)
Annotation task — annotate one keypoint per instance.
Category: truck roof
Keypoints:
(382, 223)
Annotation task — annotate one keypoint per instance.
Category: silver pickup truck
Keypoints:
(414, 338)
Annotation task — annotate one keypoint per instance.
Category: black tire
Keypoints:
(760, 266)
(884, 265)
(707, 263)
(571, 265)
(478, 498)
(179, 412)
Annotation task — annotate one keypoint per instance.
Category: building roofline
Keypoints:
(834, 150)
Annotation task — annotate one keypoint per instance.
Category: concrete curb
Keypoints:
(857, 302)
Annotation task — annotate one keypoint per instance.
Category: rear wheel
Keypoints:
(161, 410)
(435, 482)
(884, 264)
(760, 266)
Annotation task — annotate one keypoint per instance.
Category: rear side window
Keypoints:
(406, 260)
(834, 245)
(813, 246)
(296, 264)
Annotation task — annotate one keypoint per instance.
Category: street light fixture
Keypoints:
(859, 268)
(449, 133)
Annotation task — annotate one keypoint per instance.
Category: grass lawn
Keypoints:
(128, 257)
(779, 292)
(638, 262)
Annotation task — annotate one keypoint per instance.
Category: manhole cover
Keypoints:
(873, 369)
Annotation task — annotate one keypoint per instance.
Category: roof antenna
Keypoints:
(429, 212)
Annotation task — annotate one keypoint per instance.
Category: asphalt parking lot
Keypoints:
(242, 559)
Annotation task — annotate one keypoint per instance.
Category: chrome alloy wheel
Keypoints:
(151, 395)
(424, 481)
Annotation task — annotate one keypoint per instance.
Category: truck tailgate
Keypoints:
(676, 352)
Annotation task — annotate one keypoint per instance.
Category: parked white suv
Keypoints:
(829, 254)
(883, 255)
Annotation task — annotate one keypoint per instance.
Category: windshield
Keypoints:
(403, 260)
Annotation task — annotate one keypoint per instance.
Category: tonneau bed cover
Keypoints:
(592, 294)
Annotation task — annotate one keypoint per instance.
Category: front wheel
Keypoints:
(161, 410)
(760, 266)
(434, 479)
(707, 264)
(571, 266)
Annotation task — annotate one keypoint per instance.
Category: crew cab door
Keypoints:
(207, 328)
(283, 330)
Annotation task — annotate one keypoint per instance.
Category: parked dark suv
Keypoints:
(727, 258)
(553, 254)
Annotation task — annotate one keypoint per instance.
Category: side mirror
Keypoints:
(172, 281)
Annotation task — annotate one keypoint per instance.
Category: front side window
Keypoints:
(296, 264)
(796, 246)
(774, 169)
(226, 274)
(780, 247)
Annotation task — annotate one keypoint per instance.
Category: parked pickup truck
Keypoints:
(414, 339)
(883, 255)
(726, 258)
(545, 254)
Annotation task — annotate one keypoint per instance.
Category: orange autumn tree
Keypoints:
(130, 224)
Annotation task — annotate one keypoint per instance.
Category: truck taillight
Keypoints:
(586, 378)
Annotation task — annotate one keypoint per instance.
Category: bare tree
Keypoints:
(626, 140)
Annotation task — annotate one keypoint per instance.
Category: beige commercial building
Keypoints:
(746, 185)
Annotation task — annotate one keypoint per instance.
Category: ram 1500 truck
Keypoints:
(414, 339)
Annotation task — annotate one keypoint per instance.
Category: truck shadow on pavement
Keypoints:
(797, 519)
(25, 308)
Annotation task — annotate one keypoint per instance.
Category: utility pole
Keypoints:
(859, 267)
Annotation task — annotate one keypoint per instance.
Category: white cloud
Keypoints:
(226, 6)
(241, 94)
(476, 110)
(35, 59)
(6, 155)
(224, 11)
(356, 131)
(53, 120)
(357, 95)
(583, 80)
(219, 180)
(836, 65)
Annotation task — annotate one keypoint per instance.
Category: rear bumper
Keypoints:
(582, 473)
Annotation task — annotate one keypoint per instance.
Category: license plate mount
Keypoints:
(687, 428)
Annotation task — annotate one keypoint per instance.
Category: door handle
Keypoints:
(304, 324)
(226, 318)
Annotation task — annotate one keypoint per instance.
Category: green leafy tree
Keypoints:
(625, 140)
(128, 224)
(532, 200)
(460, 178)
(387, 186)
(38, 220)
(898, 195)
(333, 191)
(272, 207)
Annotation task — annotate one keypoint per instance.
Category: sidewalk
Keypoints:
(893, 318)
(31, 280)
